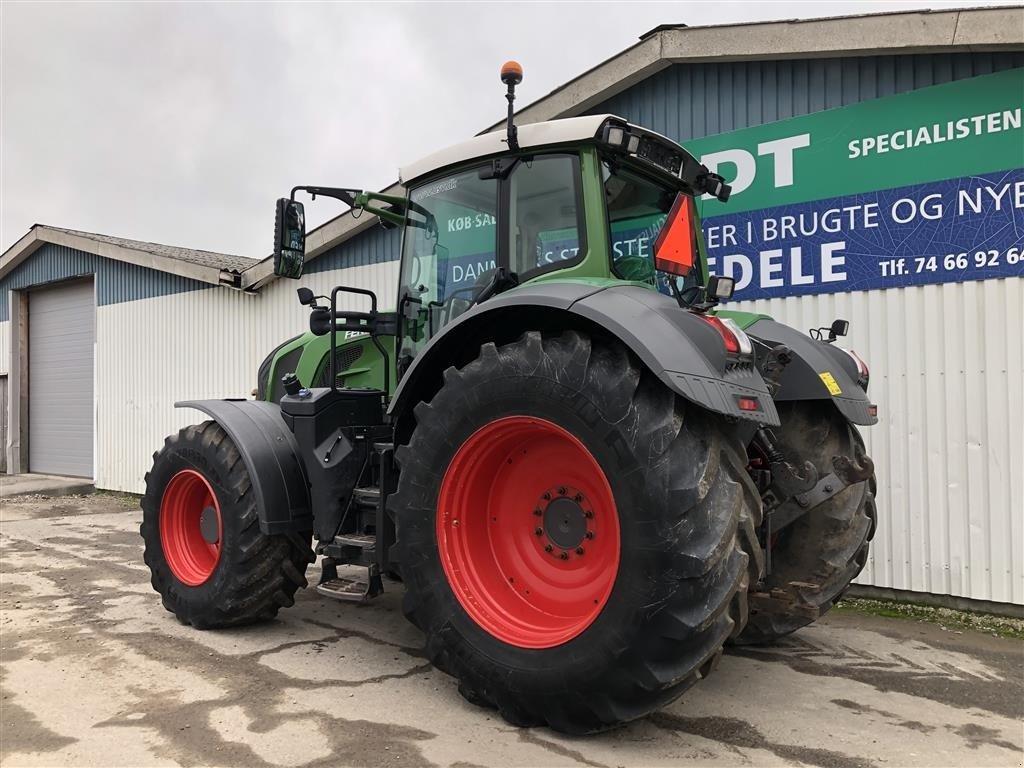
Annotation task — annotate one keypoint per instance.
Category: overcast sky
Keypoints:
(181, 123)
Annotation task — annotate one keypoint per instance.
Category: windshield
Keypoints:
(448, 254)
(638, 209)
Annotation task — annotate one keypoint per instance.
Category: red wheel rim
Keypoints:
(519, 494)
(190, 554)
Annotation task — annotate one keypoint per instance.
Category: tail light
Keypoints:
(863, 373)
(736, 341)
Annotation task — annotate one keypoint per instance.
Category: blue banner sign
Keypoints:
(942, 231)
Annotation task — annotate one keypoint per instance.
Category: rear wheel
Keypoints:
(574, 540)
(814, 559)
(208, 558)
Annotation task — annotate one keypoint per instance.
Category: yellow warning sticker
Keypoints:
(830, 383)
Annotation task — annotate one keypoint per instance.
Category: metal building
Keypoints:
(946, 350)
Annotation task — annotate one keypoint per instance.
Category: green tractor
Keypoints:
(585, 475)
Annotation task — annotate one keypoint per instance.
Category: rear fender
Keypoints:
(814, 362)
(676, 345)
(272, 457)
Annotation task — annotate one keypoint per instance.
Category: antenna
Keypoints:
(511, 75)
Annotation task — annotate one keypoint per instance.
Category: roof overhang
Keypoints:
(892, 33)
(40, 235)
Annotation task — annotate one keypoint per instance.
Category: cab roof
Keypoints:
(549, 133)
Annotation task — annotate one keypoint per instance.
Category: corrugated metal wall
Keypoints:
(115, 280)
(5, 345)
(198, 344)
(696, 100)
(372, 246)
(5, 402)
(947, 371)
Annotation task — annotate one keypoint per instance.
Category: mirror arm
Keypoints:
(390, 216)
(359, 199)
(346, 195)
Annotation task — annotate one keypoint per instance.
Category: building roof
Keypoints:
(205, 266)
(891, 33)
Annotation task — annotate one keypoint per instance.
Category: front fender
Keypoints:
(272, 457)
(676, 345)
(803, 378)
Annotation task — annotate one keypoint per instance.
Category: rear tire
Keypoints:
(814, 559)
(243, 576)
(680, 501)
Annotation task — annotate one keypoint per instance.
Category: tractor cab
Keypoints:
(589, 198)
(584, 198)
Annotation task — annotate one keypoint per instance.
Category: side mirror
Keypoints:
(289, 238)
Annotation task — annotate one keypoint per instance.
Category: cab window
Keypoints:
(546, 213)
(638, 208)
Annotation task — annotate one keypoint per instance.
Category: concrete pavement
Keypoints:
(50, 485)
(96, 672)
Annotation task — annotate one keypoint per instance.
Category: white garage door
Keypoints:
(61, 341)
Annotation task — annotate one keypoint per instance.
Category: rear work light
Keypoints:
(748, 404)
(736, 341)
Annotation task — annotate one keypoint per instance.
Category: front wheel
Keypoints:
(814, 559)
(574, 539)
(208, 558)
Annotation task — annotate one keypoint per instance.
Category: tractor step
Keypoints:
(352, 549)
(358, 586)
(360, 540)
(367, 498)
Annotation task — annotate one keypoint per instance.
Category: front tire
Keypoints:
(814, 559)
(645, 514)
(208, 558)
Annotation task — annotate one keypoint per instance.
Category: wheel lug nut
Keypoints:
(538, 531)
(590, 534)
(562, 490)
(579, 550)
(538, 512)
(547, 496)
(578, 498)
(548, 548)
(588, 514)
(564, 556)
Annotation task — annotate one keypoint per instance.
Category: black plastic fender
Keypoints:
(272, 456)
(802, 378)
(675, 344)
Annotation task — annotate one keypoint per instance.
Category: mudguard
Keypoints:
(803, 378)
(271, 456)
(681, 349)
